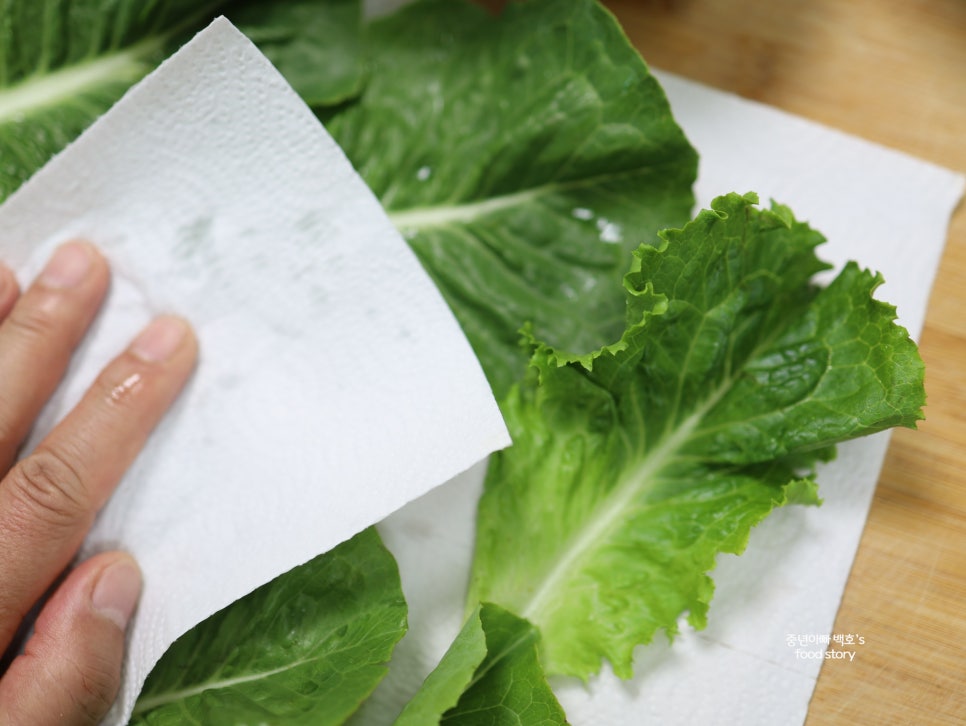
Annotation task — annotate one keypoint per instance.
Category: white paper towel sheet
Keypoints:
(886, 210)
(334, 384)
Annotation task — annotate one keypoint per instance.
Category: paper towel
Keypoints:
(882, 208)
(334, 384)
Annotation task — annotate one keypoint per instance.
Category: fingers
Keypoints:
(9, 290)
(40, 332)
(70, 670)
(49, 499)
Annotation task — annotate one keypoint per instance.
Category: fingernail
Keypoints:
(116, 592)
(160, 339)
(68, 267)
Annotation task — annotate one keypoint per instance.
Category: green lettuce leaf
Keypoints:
(634, 466)
(524, 157)
(64, 64)
(315, 44)
(490, 675)
(307, 647)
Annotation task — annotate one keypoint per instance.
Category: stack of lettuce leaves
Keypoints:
(667, 381)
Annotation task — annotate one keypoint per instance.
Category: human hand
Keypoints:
(69, 672)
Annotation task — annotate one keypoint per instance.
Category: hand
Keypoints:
(69, 672)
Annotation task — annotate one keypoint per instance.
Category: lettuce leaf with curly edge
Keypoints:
(634, 466)
(524, 157)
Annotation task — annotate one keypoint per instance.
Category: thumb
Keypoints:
(70, 670)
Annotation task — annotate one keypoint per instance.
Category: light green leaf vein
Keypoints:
(67, 84)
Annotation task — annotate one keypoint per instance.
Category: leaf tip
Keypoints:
(802, 491)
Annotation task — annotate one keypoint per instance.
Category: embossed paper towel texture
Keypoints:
(334, 384)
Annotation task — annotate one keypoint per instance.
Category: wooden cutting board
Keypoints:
(893, 72)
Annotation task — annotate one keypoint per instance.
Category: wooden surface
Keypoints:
(894, 72)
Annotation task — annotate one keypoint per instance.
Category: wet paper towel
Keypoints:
(334, 384)
(886, 210)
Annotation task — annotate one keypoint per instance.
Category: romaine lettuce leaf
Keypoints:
(64, 64)
(316, 44)
(634, 466)
(524, 157)
(490, 675)
(307, 647)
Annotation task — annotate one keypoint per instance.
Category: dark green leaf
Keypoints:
(524, 157)
(64, 64)
(307, 648)
(315, 44)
